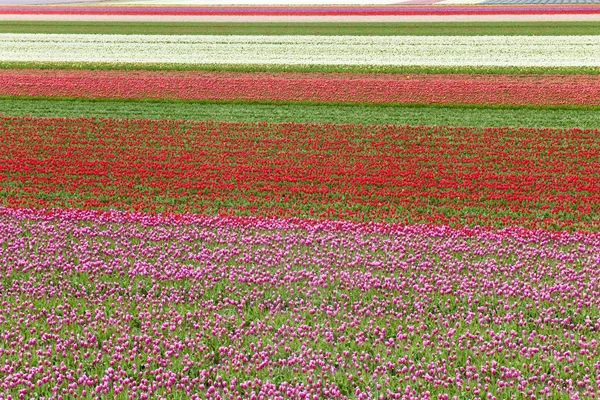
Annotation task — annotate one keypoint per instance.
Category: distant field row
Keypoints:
(336, 114)
(366, 52)
(321, 68)
(502, 91)
(317, 28)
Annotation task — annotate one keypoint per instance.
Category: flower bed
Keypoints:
(115, 303)
(489, 90)
(444, 175)
(372, 51)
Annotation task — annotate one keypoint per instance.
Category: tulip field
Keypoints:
(300, 202)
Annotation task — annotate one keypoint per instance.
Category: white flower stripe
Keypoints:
(330, 50)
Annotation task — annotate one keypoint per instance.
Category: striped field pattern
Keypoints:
(215, 202)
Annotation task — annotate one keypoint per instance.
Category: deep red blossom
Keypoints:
(441, 175)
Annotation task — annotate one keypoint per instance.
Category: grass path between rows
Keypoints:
(321, 68)
(276, 113)
(308, 103)
(314, 28)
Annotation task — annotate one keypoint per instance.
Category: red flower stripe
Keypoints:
(308, 11)
(442, 175)
(547, 90)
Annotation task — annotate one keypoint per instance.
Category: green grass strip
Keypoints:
(312, 28)
(310, 103)
(379, 69)
(337, 114)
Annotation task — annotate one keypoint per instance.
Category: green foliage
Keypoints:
(315, 113)
(307, 28)
(363, 69)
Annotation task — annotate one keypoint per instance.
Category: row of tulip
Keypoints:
(436, 175)
(101, 305)
(516, 51)
(545, 90)
(359, 8)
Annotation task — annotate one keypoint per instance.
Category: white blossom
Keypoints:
(308, 50)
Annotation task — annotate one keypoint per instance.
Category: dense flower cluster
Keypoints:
(306, 87)
(526, 51)
(435, 175)
(106, 304)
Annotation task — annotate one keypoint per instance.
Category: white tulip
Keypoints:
(308, 50)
